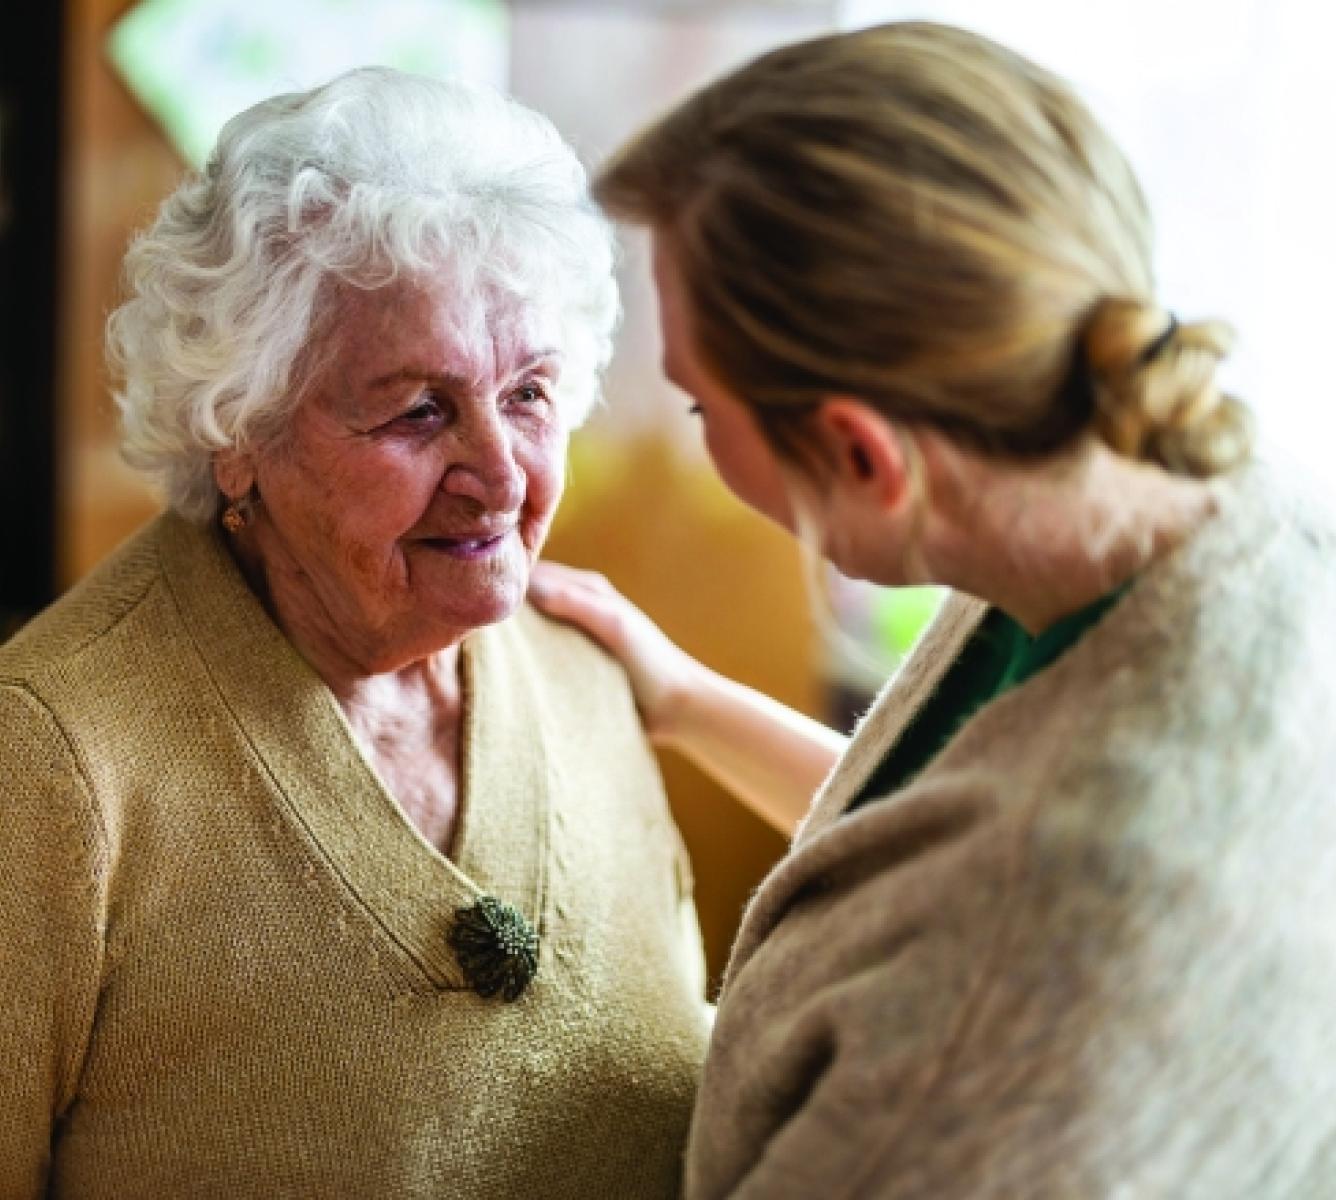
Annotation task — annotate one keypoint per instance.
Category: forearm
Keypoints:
(770, 756)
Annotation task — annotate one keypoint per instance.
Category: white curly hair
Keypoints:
(375, 175)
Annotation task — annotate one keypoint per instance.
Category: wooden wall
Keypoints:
(118, 168)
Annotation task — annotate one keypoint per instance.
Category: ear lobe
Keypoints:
(869, 451)
(234, 473)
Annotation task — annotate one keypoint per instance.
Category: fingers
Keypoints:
(585, 598)
(555, 585)
(552, 580)
(653, 664)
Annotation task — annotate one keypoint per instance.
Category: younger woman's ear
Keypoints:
(869, 453)
(234, 473)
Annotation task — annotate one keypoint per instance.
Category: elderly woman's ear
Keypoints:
(234, 473)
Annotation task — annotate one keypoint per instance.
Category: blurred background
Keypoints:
(1226, 108)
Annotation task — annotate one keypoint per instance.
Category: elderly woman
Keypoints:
(316, 882)
(1060, 923)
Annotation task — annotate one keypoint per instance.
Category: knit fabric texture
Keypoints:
(1090, 950)
(999, 655)
(223, 960)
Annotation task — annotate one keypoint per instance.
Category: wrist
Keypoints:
(682, 705)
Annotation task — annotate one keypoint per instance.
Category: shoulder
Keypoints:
(87, 613)
(82, 672)
(1225, 637)
(53, 826)
(567, 657)
(557, 639)
(36, 745)
(1272, 541)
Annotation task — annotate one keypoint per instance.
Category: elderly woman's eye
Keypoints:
(530, 393)
(426, 410)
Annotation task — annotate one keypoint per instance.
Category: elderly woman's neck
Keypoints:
(407, 707)
(362, 671)
(1044, 541)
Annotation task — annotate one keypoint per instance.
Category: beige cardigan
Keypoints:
(223, 967)
(1090, 951)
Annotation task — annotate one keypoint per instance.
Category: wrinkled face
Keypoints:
(415, 485)
(739, 450)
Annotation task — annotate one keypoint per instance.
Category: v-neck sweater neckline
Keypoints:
(333, 794)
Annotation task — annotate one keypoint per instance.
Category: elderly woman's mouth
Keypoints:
(467, 547)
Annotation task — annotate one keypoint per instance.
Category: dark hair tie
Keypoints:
(1153, 351)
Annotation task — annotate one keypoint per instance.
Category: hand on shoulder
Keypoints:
(662, 675)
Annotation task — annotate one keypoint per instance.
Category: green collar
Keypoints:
(998, 656)
(1030, 655)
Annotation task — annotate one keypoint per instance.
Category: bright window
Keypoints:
(195, 63)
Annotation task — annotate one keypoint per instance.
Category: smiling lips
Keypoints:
(467, 547)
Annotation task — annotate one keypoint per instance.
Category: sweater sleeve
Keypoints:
(865, 1114)
(52, 914)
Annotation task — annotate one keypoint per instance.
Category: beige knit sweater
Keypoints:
(1090, 951)
(223, 967)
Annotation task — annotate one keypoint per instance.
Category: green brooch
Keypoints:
(496, 947)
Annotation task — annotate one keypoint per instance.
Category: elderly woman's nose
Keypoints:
(485, 470)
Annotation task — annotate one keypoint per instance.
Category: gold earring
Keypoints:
(235, 517)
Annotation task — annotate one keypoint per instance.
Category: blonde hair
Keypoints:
(919, 217)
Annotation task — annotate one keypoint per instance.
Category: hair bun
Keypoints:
(1156, 397)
